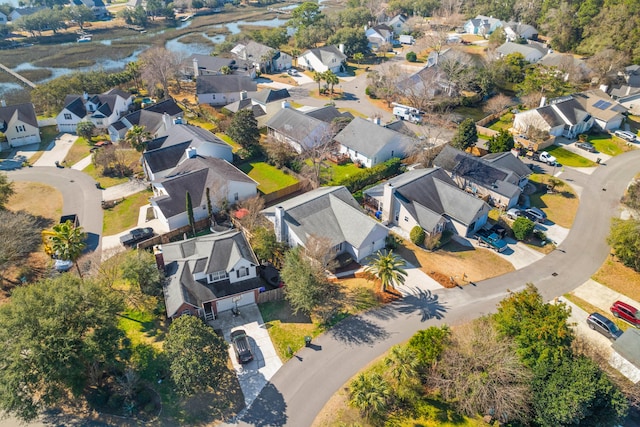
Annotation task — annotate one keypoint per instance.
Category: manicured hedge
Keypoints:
(372, 175)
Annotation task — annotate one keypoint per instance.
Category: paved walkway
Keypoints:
(82, 164)
(601, 296)
(121, 191)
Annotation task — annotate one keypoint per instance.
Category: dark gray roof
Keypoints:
(24, 112)
(327, 113)
(510, 162)
(25, 11)
(75, 105)
(266, 96)
(168, 106)
(150, 117)
(215, 63)
(224, 84)
(553, 114)
(369, 138)
(326, 55)
(294, 124)
(195, 175)
(161, 159)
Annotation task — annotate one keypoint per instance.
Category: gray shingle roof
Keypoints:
(224, 84)
(25, 113)
(164, 158)
(266, 96)
(75, 105)
(327, 55)
(525, 49)
(294, 124)
(327, 113)
(555, 113)
(510, 162)
(369, 138)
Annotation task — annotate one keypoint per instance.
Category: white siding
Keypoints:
(226, 304)
(240, 265)
(218, 98)
(15, 138)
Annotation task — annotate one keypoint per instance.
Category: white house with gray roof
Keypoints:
(209, 274)
(323, 58)
(563, 117)
(369, 143)
(298, 129)
(428, 198)
(19, 124)
(531, 52)
(223, 89)
(226, 184)
(332, 213)
(264, 58)
(102, 110)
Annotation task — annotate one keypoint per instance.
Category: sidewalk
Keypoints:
(601, 296)
(123, 190)
(82, 163)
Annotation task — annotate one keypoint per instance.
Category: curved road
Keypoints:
(79, 193)
(300, 389)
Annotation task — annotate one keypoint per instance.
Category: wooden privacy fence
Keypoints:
(272, 295)
(166, 237)
(282, 192)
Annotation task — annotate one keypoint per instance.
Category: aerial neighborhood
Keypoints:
(320, 213)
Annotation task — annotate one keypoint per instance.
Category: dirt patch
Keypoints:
(37, 199)
(455, 264)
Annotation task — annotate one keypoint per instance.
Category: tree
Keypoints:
(624, 238)
(331, 79)
(189, 209)
(278, 153)
(481, 373)
(6, 190)
(159, 66)
(631, 197)
(85, 129)
(388, 268)
(353, 39)
(266, 247)
(554, 183)
(411, 56)
(320, 250)
(429, 344)
(358, 57)
(466, 135)
(198, 356)
(20, 236)
(209, 205)
(305, 15)
(140, 268)
(497, 103)
(53, 332)
(305, 282)
(244, 129)
(501, 142)
(403, 365)
(317, 77)
(522, 227)
(417, 235)
(252, 213)
(370, 393)
(68, 242)
(80, 14)
(138, 136)
(226, 70)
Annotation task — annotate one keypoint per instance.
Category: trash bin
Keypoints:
(307, 341)
(598, 160)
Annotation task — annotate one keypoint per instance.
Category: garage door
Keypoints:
(229, 303)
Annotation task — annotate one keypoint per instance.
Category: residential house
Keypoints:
(207, 65)
(630, 87)
(164, 153)
(19, 124)
(562, 117)
(399, 24)
(509, 162)
(209, 274)
(626, 355)
(430, 80)
(157, 119)
(531, 52)
(517, 30)
(223, 89)
(331, 213)
(569, 66)
(24, 11)
(369, 143)
(102, 110)
(428, 198)
(3, 19)
(265, 58)
(97, 7)
(497, 186)
(607, 113)
(323, 58)
(265, 104)
(482, 25)
(226, 183)
(379, 35)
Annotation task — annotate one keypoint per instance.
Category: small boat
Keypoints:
(84, 39)
(186, 18)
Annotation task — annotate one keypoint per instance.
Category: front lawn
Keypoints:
(142, 327)
(105, 181)
(37, 199)
(124, 215)
(287, 330)
(269, 178)
(503, 123)
(567, 158)
(78, 151)
(615, 275)
(560, 206)
(609, 145)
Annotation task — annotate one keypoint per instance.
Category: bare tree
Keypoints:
(497, 103)
(424, 88)
(457, 67)
(20, 235)
(531, 100)
(278, 152)
(321, 144)
(321, 250)
(159, 67)
(436, 38)
(385, 82)
(482, 374)
(606, 64)
(252, 217)
(450, 13)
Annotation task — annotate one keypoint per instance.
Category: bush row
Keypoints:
(372, 175)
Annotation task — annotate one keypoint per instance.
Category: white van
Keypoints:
(628, 136)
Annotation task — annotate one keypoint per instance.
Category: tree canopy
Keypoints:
(305, 282)
(624, 238)
(388, 268)
(466, 135)
(6, 190)
(244, 129)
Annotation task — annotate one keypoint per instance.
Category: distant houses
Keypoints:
(19, 124)
(265, 59)
(102, 110)
(157, 119)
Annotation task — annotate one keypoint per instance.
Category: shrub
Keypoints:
(411, 56)
(392, 242)
(372, 175)
(417, 235)
(432, 241)
(370, 91)
(522, 228)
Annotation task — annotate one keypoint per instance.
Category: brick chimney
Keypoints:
(157, 252)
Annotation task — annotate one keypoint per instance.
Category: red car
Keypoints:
(626, 312)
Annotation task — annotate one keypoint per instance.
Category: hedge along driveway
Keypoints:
(269, 178)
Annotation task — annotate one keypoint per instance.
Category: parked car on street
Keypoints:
(535, 214)
(586, 146)
(626, 312)
(241, 346)
(606, 327)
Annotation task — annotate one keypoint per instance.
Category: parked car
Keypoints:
(136, 235)
(514, 213)
(292, 72)
(586, 146)
(606, 327)
(100, 144)
(626, 312)
(627, 136)
(536, 215)
(241, 346)
(492, 240)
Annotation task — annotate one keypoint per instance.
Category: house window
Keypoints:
(406, 219)
(337, 248)
(67, 116)
(242, 272)
(217, 276)
(235, 197)
(20, 128)
(213, 96)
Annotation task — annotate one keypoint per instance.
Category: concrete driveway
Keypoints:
(57, 150)
(578, 320)
(254, 375)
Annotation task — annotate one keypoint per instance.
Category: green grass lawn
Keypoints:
(567, 158)
(105, 181)
(286, 329)
(124, 215)
(504, 123)
(608, 145)
(234, 145)
(269, 178)
(78, 151)
(142, 327)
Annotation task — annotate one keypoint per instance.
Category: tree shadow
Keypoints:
(356, 331)
(268, 409)
(425, 303)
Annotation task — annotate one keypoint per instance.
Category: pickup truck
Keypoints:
(136, 235)
(492, 240)
(543, 157)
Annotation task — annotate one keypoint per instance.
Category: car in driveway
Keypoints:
(241, 346)
(626, 312)
(514, 213)
(136, 235)
(586, 146)
(606, 327)
(626, 135)
(536, 214)
(491, 239)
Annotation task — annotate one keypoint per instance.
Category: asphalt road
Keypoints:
(300, 389)
(79, 193)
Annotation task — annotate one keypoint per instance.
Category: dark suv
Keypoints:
(626, 312)
(241, 346)
(606, 327)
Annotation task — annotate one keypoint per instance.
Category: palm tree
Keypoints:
(226, 70)
(317, 77)
(331, 79)
(133, 68)
(137, 137)
(68, 242)
(403, 364)
(553, 183)
(388, 268)
(369, 393)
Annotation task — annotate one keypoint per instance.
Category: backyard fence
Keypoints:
(283, 192)
(166, 237)
(269, 296)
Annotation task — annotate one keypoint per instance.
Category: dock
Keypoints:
(18, 76)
